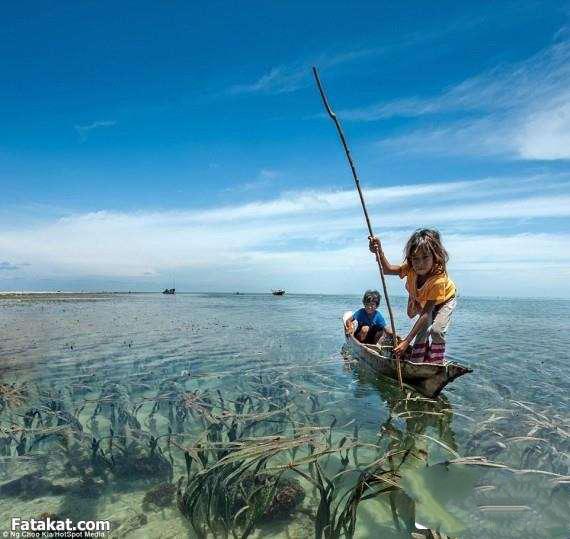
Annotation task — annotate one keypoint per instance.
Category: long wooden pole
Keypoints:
(331, 113)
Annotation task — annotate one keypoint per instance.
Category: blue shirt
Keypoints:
(376, 320)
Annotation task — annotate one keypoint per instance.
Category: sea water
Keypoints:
(494, 448)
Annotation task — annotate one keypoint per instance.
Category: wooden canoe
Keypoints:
(427, 378)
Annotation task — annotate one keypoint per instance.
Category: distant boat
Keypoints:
(170, 291)
(278, 292)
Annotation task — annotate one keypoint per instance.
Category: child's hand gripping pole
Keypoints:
(376, 247)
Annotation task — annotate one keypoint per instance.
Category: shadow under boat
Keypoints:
(378, 359)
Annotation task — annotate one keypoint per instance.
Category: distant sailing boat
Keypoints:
(278, 292)
(170, 290)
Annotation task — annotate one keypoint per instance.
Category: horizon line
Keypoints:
(240, 293)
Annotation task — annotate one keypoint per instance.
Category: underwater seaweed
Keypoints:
(12, 396)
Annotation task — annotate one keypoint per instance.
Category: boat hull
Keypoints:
(427, 378)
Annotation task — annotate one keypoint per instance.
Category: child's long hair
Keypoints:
(426, 238)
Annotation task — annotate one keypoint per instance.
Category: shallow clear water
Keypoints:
(81, 362)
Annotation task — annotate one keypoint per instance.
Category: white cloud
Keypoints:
(519, 109)
(546, 134)
(265, 178)
(291, 77)
(286, 78)
(316, 240)
(84, 130)
(268, 173)
(484, 136)
(282, 79)
(8, 266)
(325, 201)
(542, 76)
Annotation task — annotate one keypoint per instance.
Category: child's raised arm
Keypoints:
(375, 245)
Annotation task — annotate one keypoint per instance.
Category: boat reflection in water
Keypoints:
(414, 424)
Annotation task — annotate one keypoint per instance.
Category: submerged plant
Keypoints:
(236, 495)
(274, 447)
(12, 396)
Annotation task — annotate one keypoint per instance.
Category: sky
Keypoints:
(144, 144)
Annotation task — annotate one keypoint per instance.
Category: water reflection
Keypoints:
(412, 421)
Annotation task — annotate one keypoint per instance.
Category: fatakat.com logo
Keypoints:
(48, 527)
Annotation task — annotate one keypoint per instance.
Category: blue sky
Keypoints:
(143, 141)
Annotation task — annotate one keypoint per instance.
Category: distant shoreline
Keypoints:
(59, 295)
(62, 296)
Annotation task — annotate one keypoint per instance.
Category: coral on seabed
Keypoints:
(288, 495)
(132, 523)
(158, 497)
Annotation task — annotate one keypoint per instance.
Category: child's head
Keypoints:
(425, 253)
(371, 300)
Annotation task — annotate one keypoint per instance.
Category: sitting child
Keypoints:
(371, 324)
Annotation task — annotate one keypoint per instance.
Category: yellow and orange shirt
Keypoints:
(438, 288)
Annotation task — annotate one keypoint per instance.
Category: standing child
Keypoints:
(371, 324)
(431, 293)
